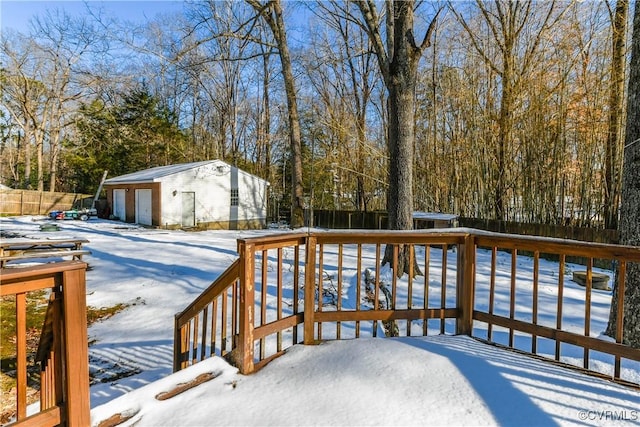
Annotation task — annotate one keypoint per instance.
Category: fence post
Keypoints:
(76, 352)
(465, 285)
(246, 310)
(309, 289)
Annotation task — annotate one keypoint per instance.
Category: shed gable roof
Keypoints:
(153, 174)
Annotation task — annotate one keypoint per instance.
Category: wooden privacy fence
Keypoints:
(301, 288)
(62, 353)
(377, 220)
(30, 202)
(585, 234)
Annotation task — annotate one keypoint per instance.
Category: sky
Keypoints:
(16, 14)
(438, 380)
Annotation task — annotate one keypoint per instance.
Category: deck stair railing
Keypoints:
(296, 288)
(62, 353)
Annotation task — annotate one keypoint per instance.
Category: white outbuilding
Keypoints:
(208, 195)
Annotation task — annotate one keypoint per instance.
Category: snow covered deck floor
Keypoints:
(436, 380)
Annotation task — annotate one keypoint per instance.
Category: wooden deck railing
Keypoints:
(63, 350)
(524, 320)
(222, 320)
(302, 288)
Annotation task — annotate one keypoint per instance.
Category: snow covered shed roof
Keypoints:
(153, 174)
(434, 216)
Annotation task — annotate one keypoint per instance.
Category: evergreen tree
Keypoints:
(133, 135)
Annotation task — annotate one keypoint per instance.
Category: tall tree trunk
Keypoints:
(504, 132)
(272, 13)
(361, 198)
(27, 158)
(400, 141)
(53, 164)
(398, 62)
(611, 171)
(295, 138)
(629, 226)
(401, 87)
(40, 158)
(266, 118)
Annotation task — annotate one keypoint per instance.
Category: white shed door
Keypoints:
(143, 207)
(119, 207)
(188, 209)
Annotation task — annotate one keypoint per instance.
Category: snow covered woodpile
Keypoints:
(208, 195)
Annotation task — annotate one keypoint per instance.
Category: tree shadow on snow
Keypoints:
(494, 378)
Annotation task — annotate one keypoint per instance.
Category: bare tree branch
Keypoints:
(426, 42)
(370, 15)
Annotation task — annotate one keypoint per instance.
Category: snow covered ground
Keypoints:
(438, 380)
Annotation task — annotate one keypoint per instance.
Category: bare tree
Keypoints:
(64, 41)
(629, 226)
(510, 115)
(40, 91)
(398, 59)
(512, 27)
(612, 159)
(9, 147)
(22, 95)
(342, 71)
(263, 143)
(272, 13)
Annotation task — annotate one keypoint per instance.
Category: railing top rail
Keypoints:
(556, 245)
(452, 235)
(16, 274)
(430, 236)
(356, 236)
(220, 284)
(274, 239)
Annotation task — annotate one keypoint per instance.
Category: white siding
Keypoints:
(252, 192)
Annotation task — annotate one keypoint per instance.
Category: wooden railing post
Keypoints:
(178, 350)
(244, 359)
(21, 353)
(465, 285)
(310, 289)
(76, 352)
